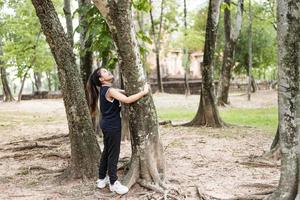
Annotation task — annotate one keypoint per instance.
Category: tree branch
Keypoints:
(102, 6)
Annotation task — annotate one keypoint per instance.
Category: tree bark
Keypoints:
(7, 95)
(207, 114)
(231, 36)
(69, 23)
(288, 98)
(147, 162)
(84, 146)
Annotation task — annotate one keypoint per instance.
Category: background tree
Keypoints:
(263, 43)
(6, 89)
(157, 42)
(147, 160)
(86, 54)
(24, 47)
(207, 114)
(84, 146)
(231, 36)
(186, 54)
(69, 22)
(249, 69)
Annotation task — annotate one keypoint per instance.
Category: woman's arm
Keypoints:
(116, 94)
(121, 91)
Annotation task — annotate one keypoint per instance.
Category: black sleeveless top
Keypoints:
(110, 110)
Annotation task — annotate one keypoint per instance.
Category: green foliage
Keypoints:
(190, 39)
(142, 5)
(264, 38)
(24, 45)
(170, 16)
(98, 34)
(264, 42)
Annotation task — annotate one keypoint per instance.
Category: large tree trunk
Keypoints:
(157, 42)
(231, 37)
(289, 99)
(69, 23)
(7, 95)
(207, 114)
(84, 146)
(147, 161)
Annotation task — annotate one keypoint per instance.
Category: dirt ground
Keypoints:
(34, 149)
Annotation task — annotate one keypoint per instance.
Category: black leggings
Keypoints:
(110, 155)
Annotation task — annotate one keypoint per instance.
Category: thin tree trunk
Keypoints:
(156, 39)
(37, 81)
(207, 114)
(147, 161)
(69, 23)
(249, 53)
(84, 146)
(29, 67)
(288, 99)
(86, 60)
(22, 84)
(187, 57)
(48, 75)
(231, 36)
(253, 84)
(7, 95)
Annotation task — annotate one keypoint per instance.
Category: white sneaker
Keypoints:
(118, 188)
(101, 183)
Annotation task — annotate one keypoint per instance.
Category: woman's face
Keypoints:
(106, 76)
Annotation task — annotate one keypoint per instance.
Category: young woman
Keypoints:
(110, 124)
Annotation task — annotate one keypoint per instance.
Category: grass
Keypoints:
(13, 119)
(264, 118)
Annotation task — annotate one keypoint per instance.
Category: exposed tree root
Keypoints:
(53, 137)
(16, 155)
(31, 146)
(27, 170)
(264, 163)
(58, 155)
(255, 196)
(38, 139)
(259, 186)
(150, 186)
(166, 122)
(202, 196)
(273, 154)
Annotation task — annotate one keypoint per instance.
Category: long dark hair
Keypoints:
(93, 91)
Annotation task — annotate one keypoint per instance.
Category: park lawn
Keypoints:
(11, 119)
(264, 118)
